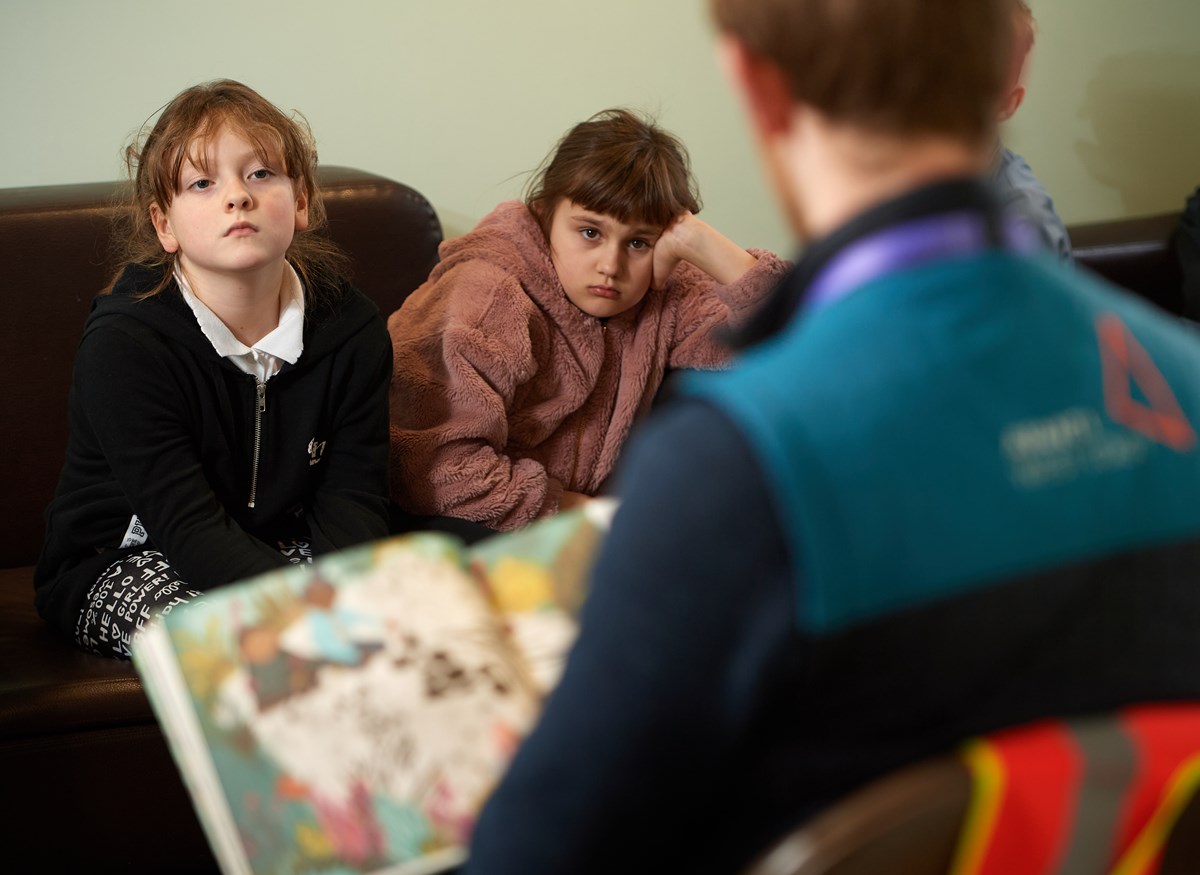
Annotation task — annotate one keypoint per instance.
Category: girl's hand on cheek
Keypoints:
(672, 247)
(698, 243)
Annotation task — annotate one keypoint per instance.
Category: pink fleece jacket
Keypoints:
(505, 393)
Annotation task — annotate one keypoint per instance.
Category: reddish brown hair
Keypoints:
(891, 66)
(620, 164)
(184, 127)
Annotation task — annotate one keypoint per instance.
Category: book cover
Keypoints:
(352, 715)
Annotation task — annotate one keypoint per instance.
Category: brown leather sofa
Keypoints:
(88, 784)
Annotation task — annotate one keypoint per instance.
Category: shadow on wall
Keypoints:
(1144, 109)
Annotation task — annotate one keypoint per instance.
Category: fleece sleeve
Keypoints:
(674, 650)
(350, 505)
(706, 306)
(455, 377)
(134, 400)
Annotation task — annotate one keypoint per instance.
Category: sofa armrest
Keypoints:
(1136, 253)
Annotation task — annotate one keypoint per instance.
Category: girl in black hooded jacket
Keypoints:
(229, 401)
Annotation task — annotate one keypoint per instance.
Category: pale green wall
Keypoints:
(1112, 119)
(459, 98)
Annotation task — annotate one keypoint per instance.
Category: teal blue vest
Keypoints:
(948, 428)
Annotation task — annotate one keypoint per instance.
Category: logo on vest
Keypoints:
(1126, 366)
(1080, 441)
(1064, 446)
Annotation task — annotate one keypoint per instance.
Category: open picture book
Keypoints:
(352, 715)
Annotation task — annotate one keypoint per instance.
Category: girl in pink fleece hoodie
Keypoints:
(543, 334)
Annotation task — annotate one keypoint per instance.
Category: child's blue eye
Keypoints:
(201, 184)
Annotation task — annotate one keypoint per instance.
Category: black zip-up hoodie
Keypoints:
(216, 467)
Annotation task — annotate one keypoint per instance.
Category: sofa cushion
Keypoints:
(47, 685)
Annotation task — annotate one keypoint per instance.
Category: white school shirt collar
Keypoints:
(282, 344)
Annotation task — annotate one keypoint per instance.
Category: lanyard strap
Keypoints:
(939, 237)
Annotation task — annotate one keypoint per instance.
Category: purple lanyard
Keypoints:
(935, 238)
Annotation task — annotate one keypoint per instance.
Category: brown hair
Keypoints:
(891, 66)
(619, 164)
(155, 159)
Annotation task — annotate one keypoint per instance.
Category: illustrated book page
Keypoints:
(352, 715)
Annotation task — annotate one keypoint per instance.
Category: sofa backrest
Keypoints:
(55, 252)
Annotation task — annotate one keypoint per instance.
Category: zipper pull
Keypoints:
(260, 405)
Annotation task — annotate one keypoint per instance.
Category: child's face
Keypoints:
(604, 265)
(237, 218)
